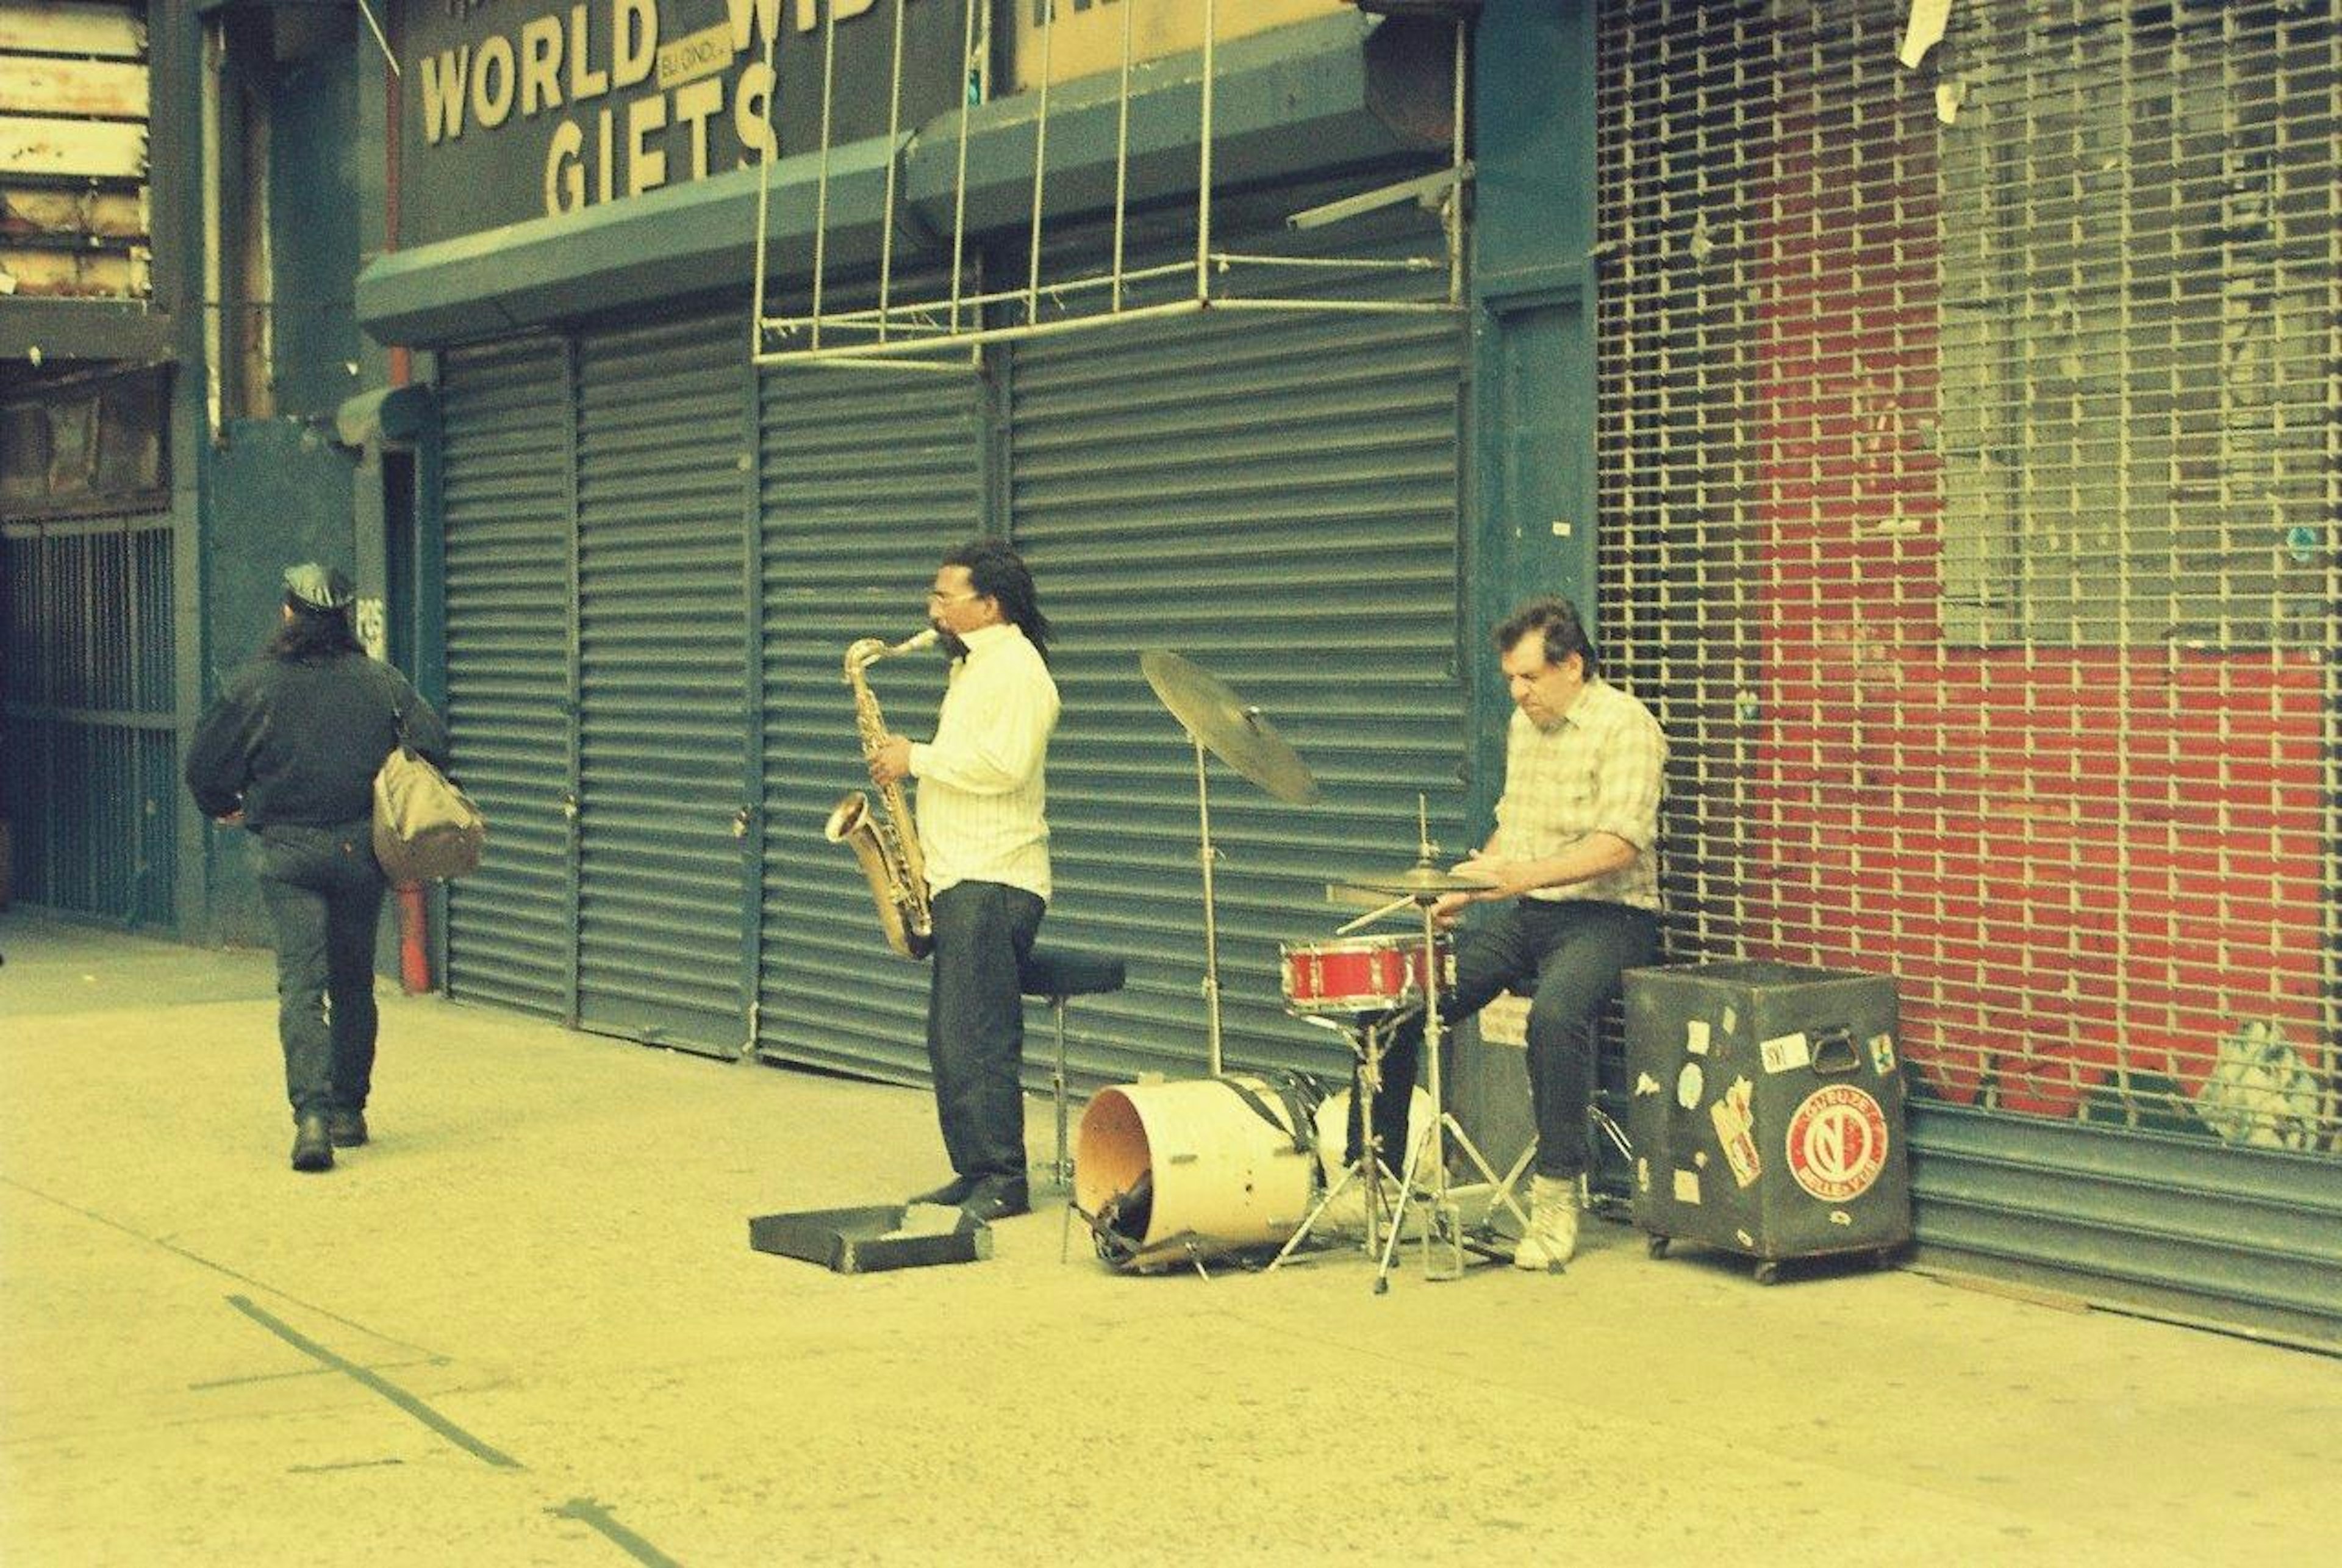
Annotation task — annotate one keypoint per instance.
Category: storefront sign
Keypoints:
(514, 109)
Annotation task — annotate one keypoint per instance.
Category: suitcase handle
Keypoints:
(1834, 1051)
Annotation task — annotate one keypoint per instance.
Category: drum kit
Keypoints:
(1141, 1176)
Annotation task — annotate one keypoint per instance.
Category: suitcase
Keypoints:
(1766, 1110)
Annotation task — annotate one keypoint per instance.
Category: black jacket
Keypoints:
(296, 744)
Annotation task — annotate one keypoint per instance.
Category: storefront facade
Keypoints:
(1720, 377)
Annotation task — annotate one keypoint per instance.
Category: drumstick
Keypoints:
(1370, 916)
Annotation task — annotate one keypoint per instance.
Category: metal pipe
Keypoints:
(1040, 165)
(1204, 158)
(763, 197)
(867, 319)
(894, 164)
(821, 177)
(209, 114)
(1122, 157)
(1211, 924)
(1455, 214)
(967, 38)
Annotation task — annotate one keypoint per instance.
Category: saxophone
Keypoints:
(886, 845)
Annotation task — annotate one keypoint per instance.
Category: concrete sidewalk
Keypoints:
(525, 1326)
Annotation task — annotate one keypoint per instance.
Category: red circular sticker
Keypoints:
(1837, 1142)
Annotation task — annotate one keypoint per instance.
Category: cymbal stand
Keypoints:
(1207, 855)
(1444, 1224)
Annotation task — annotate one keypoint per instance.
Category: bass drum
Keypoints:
(1170, 1172)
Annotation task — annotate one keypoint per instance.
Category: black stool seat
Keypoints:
(1058, 973)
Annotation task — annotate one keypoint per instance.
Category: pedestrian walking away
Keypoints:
(288, 752)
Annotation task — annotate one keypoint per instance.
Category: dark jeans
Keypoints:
(1567, 955)
(976, 1024)
(323, 892)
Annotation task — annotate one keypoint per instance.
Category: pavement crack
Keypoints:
(165, 1245)
(370, 1379)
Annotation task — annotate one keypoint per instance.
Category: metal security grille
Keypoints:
(89, 754)
(1968, 482)
(868, 478)
(1273, 497)
(508, 499)
(661, 496)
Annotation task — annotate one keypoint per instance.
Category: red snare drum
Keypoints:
(1361, 973)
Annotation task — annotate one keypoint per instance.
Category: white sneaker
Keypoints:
(1551, 1240)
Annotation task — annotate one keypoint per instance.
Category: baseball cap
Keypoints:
(310, 586)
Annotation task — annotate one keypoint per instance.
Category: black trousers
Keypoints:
(324, 893)
(976, 1024)
(1567, 955)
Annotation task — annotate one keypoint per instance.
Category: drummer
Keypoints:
(1573, 869)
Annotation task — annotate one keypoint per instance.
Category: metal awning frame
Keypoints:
(934, 333)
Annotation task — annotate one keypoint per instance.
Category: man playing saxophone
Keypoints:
(986, 842)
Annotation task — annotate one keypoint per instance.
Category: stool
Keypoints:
(1055, 975)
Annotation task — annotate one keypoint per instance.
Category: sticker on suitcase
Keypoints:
(1783, 1052)
(1837, 1142)
(1736, 1125)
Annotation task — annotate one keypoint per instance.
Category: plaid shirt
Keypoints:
(1598, 770)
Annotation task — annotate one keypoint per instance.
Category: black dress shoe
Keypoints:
(951, 1195)
(313, 1147)
(997, 1198)
(348, 1128)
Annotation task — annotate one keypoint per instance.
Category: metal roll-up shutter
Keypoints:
(661, 681)
(89, 754)
(1273, 496)
(868, 478)
(1968, 498)
(505, 440)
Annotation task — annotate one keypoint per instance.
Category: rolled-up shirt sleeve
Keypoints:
(1627, 783)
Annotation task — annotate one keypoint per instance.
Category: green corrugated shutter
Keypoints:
(661, 412)
(509, 593)
(869, 477)
(1274, 497)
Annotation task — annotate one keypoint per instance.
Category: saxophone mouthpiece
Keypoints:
(864, 652)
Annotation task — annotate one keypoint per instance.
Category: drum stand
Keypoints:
(1444, 1228)
(1365, 1038)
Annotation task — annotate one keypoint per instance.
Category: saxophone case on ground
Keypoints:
(865, 1240)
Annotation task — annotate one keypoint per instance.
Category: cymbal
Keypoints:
(1236, 734)
(1416, 882)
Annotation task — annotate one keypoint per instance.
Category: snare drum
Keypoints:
(1361, 973)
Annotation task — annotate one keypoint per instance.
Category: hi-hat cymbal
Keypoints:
(1236, 734)
(1416, 882)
